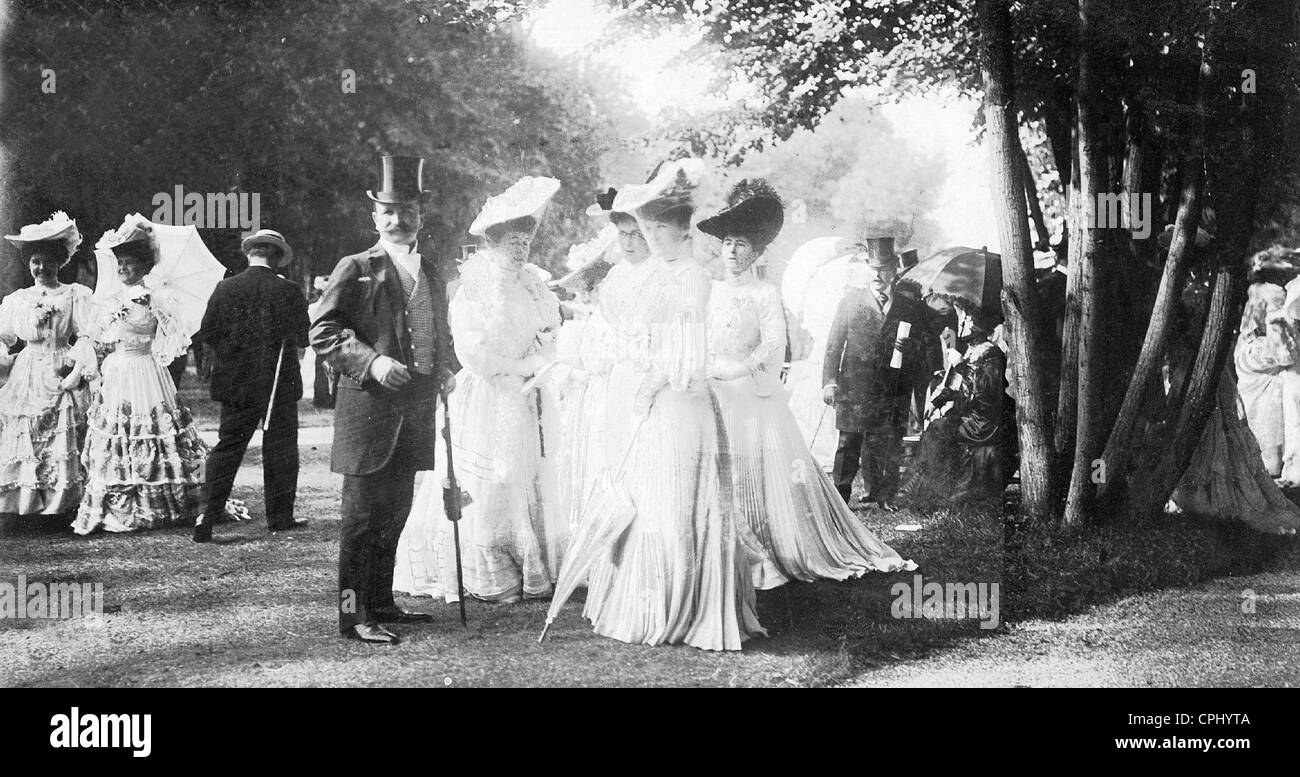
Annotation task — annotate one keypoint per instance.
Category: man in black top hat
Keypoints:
(382, 326)
(869, 385)
(254, 325)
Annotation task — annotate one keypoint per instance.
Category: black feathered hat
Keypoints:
(753, 211)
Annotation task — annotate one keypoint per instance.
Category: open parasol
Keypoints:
(185, 267)
(607, 515)
(973, 274)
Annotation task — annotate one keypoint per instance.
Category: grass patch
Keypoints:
(255, 609)
(1053, 572)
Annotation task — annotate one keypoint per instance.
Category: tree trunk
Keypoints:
(1095, 177)
(12, 273)
(1153, 489)
(1019, 300)
(1067, 402)
(1115, 456)
(1031, 198)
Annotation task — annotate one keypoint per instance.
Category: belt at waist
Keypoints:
(133, 348)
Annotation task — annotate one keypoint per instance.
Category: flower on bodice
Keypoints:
(43, 312)
(124, 312)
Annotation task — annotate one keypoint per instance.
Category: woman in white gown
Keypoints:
(503, 320)
(43, 403)
(143, 456)
(1265, 350)
(679, 573)
(586, 354)
(806, 530)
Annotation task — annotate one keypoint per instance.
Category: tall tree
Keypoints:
(1020, 302)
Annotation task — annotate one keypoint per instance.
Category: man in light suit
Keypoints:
(382, 326)
(871, 398)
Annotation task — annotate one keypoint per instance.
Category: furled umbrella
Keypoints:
(608, 513)
(185, 266)
(973, 274)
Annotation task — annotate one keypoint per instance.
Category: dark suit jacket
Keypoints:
(247, 318)
(859, 349)
(362, 315)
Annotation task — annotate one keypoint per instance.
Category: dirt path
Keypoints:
(1199, 636)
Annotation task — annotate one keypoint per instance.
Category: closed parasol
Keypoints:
(608, 513)
(185, 267)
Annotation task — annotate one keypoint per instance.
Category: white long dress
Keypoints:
(513, 532)
(680, 573)
(582, 375)
(143, 456)
(790, 505)
(1262, 358)
(41, 426)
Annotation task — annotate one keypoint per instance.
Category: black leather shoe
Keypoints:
(372, 633)
(402, 616)
(300, 523)
(203, 536)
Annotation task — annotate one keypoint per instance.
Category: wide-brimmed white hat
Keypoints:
(57, 227)
(529, 196)
(135, 229)
(267, 237)
(674, 184)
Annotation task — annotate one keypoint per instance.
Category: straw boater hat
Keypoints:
(403, 181)
(674, 184)
(268, 237)
(529, 196)
(58, 228)
(753, 211)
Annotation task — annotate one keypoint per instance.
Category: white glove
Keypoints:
(389, 373)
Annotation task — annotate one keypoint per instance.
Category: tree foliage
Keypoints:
(251, 97)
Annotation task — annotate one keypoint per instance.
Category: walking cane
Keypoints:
(275, 384)
(451, 503)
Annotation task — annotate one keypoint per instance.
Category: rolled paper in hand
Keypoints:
(904, 329)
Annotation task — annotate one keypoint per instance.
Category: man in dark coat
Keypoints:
(871, 398)
(253, 327)
(382, 326)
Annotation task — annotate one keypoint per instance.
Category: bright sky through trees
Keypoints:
(645, 66)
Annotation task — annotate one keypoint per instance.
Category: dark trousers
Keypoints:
(878, 449)
(279, 460)
(374, 511)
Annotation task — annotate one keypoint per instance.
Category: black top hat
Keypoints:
(880, 251)
(403, 181)
(755, 212)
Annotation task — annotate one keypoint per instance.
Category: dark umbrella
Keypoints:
(974, 274)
